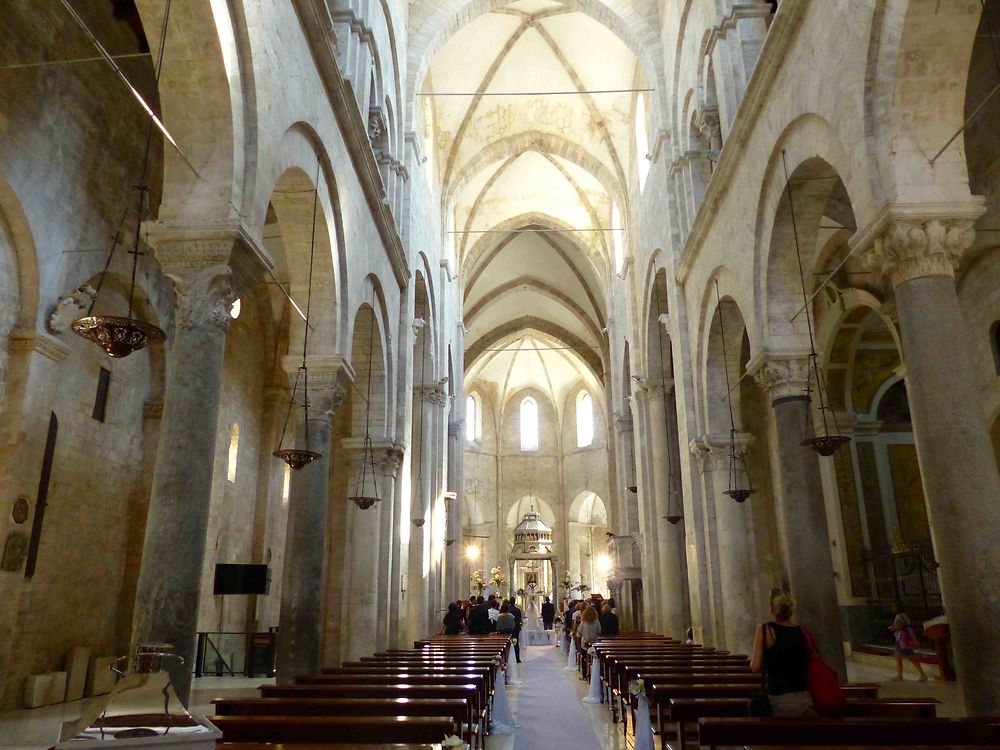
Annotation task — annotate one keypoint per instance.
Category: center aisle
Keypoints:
(548, 709)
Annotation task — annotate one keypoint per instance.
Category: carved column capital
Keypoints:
(388, 459)
(432, 393)
(330, 379)
(623, 423)
(780, 374)
(913, 248)
(210, 269)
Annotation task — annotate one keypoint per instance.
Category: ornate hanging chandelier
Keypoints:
(299, 457)
(362, 497)
(736, 455)
(827, 442)
(120, 336)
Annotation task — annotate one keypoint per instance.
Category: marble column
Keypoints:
(646, 503)
(803, 512)
(917, 257)
(671, 559)
(300, 621)
(737, 559)
(453, 550)
(208, 275)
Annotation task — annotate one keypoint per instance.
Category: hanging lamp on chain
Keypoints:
(121, 336)
(827, 442)
(674, 514)
(737, 457)
(362, 497)
(633, 486)
(299, 457)
(419, 521)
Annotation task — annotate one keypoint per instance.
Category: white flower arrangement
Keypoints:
(637, 687)
(453, 741)
(513, 641)
(592, 651)
(478, 582)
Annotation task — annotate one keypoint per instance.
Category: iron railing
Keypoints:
(906, 576)
(222, 654)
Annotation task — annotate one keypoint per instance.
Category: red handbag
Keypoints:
(823, 682)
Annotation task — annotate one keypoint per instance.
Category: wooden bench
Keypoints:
(324, 746)
(684, 711)
(459, 709)
(311, 729)
(897, 733)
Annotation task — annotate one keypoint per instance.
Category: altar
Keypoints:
(532, 570)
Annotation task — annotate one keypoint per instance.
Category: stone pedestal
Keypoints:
(737, 560)
(300, 621)
(208, 276)
(803, 513)
(917, 257)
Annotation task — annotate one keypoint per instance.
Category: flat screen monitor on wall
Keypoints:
(240, 579)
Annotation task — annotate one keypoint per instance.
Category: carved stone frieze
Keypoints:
(915, 248)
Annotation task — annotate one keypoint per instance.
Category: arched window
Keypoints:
(641, 140)
(234, 450)
(618, 237)
(471, 419)
(529, 425)
(584, 420)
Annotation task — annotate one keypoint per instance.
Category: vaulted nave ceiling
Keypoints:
(558, 158)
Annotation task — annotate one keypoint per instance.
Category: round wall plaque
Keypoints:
(19, 513)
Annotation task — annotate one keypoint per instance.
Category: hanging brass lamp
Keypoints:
(298, 458)
(736, 456)
(827, 442)
(120, 336)
(362, 497)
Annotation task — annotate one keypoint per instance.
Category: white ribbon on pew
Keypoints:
(571, 656)
(503, 719)
(595, 683)
(513, 676)
(643, 725)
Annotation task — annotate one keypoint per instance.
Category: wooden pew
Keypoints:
(684, 711)
(459, 709)
(324, 746)
(898, 733)
(311, 729)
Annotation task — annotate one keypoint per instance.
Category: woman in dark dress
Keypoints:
(781, 652)
(454, 620)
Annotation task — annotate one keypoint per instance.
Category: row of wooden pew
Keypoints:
(699, 696)
(444, 686)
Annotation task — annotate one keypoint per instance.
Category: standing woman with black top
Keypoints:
(781, 652)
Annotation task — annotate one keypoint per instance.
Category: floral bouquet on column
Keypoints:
(478, 582)
(566, 583)
(497, 579)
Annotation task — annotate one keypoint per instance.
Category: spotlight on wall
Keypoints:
(472, 552)
(604, 563)
(637, 378)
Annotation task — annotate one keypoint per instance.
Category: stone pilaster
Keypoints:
(208, 274)
(803, 512)
(300, 619)
(916, 253)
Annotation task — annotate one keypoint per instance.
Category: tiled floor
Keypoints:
(38, 729)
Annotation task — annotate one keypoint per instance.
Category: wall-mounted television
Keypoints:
(233, 579)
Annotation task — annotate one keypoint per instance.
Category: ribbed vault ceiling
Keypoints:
(507, 163)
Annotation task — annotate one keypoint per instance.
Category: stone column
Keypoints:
(646, 536)
(208, 275)
(802, 510)
(388, 467)
(453, 548)
(917, 257)
(671, 570)
(300, 621)
(418, 577)
(737, 560)
(362, 564)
